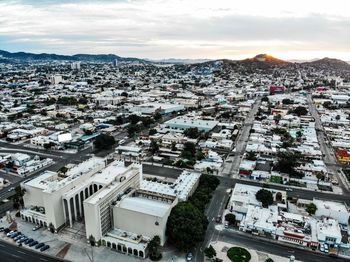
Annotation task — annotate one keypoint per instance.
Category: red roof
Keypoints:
(342, 152)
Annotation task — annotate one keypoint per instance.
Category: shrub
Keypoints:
(238, 254)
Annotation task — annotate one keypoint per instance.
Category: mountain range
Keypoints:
(260, 61)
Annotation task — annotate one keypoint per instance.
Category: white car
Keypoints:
(322, 248)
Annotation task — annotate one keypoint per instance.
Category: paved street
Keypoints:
(327, 150)
(241, 239)
(241, 142)
(11, 253)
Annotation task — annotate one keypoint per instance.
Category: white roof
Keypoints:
(145, 205)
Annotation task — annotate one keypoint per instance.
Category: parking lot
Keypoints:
(66, 244)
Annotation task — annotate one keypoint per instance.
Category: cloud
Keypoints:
(176, 28)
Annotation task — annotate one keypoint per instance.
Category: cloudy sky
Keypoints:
(298, 29)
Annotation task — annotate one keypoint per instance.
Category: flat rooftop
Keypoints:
(145, 205)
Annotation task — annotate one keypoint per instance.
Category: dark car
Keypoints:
(40, 245)
(33, 243)
(18, 237)
(44, 248)
(6, 230)
(28, 241)
(22, 240)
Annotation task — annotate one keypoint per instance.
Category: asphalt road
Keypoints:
(241, 142)
(241, 239)
(11, 253)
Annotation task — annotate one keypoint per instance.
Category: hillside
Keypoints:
(28, 57)
(328, 63)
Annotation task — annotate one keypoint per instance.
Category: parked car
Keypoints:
(18, 237)
(10, 233)
(226, 224)
(34, 243)
(6, 230)
(322, 248)
(2, 229)
(44, 248)
(189, 256)
(15, 234)
(40, 245)
(36, 228)
(23, 239)
(11, 189)
(28, 241)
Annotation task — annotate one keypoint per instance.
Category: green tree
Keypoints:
(265, 197)
(154, 249)
(92, 240)
(154, 147)
(251, 156)
(311, 208)
(51, 228)
(269, 260)
(152, 132)
(192, 132)
(277, 118)
(104, 142)
(157, 116)
(230, 218)
(300, 111)
(210, 252)
(186, 226)
(189, 150)
(199, 155)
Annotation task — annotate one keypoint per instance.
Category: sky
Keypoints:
(156, 29)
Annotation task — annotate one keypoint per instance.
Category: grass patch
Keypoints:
(276, 179)
(238, 254)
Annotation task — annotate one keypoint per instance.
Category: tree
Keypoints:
(300, 111)
(52, 228)
(299, 134)
(189, 150)
(210, 252)
(199, 155)
(92, 240)
(265, 99)
(186, 226)
(153, 247)
(104, 142)
(192, 132)
(269, 260)
(134, 119)
(230, 218)
(287, 161)
(287, 101)
(311, 208)
(154, 147)
(277, 118)
(152, 132)
(337, 117)
(49, 145)
(251, 156)
(157, 116)
(132, 129)
(265, 197)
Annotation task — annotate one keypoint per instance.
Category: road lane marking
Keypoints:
(24, 253)
(15, 255)
(43, 259)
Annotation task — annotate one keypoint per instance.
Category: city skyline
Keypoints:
(178, 29)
